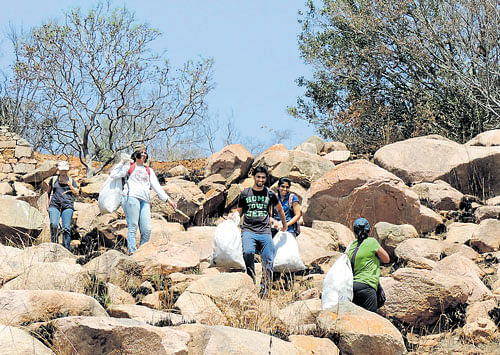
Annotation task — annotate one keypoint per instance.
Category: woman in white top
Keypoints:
(135, 199)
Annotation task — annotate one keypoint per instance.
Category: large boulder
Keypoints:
(43, 171)
(187, 194)
(300, 315)
(338, 231)
(418, 296)
(19, 222)
(317, 142)
(232, 162)
(459, 265)
(360, 331)
(20, 307)
(115, 267)
(314, 345)
(17, 341)
(201, 308)
(301, 167)
(391, 235)
(145, 314)
(102, 335)
(430, 158)
(413, 248)
(333, 146)
(460, 232)
(487, 237)
(86, 217)
(360, 188)
(59, 276)
(227, 340)
(338, 156)
(316, 246)
(438, 194)
(92, 186)
(487, 212)
(486, 139)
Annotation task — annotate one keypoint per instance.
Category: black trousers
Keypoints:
(365, 296)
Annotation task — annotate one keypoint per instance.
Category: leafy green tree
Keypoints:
(98, 88)
(389, 70)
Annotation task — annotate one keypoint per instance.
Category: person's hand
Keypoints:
(172, 204)
(284, 227)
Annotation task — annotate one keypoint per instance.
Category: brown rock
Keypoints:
(17, 341)
(232, 162)
(494, 201)
(460, 232)
(419, 296)
(209, 182)
(438, 194)
(487, 237)
(338, 156)
(486, 212)
(200, 308)
(316, 246)
(360, 188)
(145, 314)
(486, 139)
(458, 265)
(307, 148)
(359, 330)
(483, 330)
(116, 268)
(28, 306)
(409, 249)
(300, 314)
(117, 296)
(23, 151)
(312, 345)
(479, 310)
(92, 186)
(100, 335)
(43, 171)
(391, 235)
(179, 170)
(430, 158)
(333, 146)
(19, 222)
(338, 231)
(49, 276)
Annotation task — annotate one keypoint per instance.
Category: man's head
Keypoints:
(260, 177)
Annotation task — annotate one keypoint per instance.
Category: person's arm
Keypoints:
(296, 214)
(75, 190)
(281, 213)
(46, 188)
(155, 184)
(383, 256)
(120, 170)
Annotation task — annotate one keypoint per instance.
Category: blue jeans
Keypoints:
(138, 213)
(66, 215)
(253, 242)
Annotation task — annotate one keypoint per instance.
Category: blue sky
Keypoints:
(253, 43)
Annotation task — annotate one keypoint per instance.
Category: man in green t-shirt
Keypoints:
(366, 265)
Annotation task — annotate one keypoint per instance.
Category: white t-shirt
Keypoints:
(139, 182)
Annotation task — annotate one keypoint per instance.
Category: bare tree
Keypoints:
(97, 88)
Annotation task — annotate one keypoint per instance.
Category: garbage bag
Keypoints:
(110, 195)
(287, 258)
(227, 247)
(337, 285)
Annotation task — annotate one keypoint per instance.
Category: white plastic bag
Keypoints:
(227, 247)
(337, 285)
(110, 195)
(287, 258)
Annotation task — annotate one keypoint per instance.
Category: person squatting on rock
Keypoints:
(292, 211)
(138, 180)
(366, 267)
(61, 190)
(255, 204)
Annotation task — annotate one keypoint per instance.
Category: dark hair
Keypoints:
(282, 180)
(260, 169)
(135, 155)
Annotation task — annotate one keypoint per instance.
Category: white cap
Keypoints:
(63, 165)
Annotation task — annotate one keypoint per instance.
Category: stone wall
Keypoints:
(16, 155)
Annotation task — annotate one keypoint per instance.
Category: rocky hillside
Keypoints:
(434, 205)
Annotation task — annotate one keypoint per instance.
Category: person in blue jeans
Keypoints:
(61, 190)
(254, 204)
(139, 179)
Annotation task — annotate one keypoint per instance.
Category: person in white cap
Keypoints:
(61, 190)
(138, 179)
